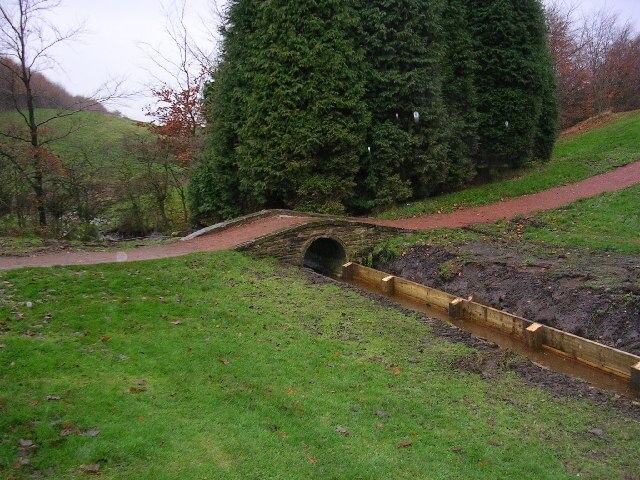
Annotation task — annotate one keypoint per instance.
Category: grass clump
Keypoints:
(217, 366)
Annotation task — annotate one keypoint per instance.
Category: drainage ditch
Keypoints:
(548, 358)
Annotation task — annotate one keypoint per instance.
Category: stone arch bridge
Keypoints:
(322, 243)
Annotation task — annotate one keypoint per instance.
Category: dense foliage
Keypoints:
(515, 83)
(330, 105)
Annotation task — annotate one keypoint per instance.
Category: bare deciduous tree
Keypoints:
(27, 37)
(597, 60)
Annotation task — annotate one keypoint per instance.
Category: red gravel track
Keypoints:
(618, 179)
(215, 241)
(556, 197)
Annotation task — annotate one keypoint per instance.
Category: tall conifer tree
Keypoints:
(404, 51)
(459, 91)
(312, 104)
(297, 83)
(512, 81)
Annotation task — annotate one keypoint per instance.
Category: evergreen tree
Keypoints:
(459, 92)
(403, 51)
(512, 77)
(312, 104)
(297, 121)
(214, 187)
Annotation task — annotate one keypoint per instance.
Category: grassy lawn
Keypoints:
(610, 221)
(218, 366)
(575, 158)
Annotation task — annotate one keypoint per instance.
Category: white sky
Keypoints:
(116, 30)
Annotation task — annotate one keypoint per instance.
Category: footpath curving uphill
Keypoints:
(618, 179)
(240, 231)
(227, 237)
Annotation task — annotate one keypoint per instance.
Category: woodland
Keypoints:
(336, 107)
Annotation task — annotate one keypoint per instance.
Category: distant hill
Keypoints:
(47, 93)
(98, 137)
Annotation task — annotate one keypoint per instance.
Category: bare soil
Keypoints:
(591, 294)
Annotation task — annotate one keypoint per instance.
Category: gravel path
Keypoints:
(217, 241)
(618, 179)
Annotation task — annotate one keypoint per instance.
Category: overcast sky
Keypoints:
(117, 29)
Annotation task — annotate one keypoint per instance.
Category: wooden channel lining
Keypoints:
(608, 359)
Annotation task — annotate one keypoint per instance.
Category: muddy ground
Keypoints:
(593, 295)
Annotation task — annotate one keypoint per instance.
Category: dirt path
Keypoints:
(618, 179)
(615, 180)
(218, 241)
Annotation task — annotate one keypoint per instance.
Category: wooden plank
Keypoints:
(591, 352)
(368, 275)
(538, 336)
(635, 377)
(456, 307)
(348, 270)
(534, 335)
(477, 299)
(387, 285)
(422, 293)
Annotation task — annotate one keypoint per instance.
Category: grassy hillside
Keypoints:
(218, 366)
(610, 221)
(95, 136)
(106, 162)
(575, 158)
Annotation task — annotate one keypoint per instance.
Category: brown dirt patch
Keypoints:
(590, 294)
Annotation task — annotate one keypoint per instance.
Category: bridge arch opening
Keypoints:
(325, 255)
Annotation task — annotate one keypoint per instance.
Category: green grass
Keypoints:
(96, 137)
(610, 221)
(575, 158)
(255, 379)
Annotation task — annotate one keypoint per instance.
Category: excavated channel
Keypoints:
(543, 358)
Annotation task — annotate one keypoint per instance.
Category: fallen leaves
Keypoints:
(139, 387)
(405, 444)
(224, 361)
(343, 431)
(53, 398)
(495, 443)
(176, 323)
(313, 460)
